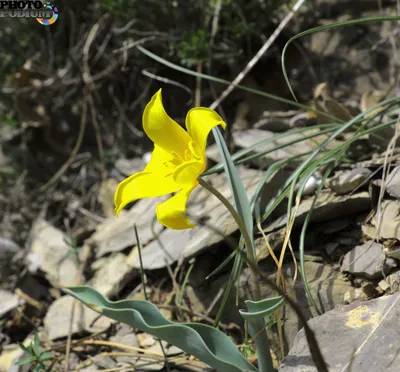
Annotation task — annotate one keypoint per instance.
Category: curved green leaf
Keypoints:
(26, 361)
(202, 341)
(347, 23)
(242, 203)
(261, 309)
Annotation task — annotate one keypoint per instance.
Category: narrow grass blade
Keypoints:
(238, 157)
(302, 238)
(236, 269)
(26, 349)
(36, 343)
(222, 265)
(302, 168)
(281, 146)
(182, 290)
(142, 276)
(329, 27)
(240, 198)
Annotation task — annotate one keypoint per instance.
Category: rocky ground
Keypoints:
(67, 234)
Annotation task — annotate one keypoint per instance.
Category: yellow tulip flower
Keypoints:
(178, 159)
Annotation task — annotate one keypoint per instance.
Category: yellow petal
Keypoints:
(142, 185)
(187, 173)
(162, 130)
(199, 122)
(172, 213)
(157, 161)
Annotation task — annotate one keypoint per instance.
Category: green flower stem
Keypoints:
(250, 256)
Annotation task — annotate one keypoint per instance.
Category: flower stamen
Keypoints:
(177, 158)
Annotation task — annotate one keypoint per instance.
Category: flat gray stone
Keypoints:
(173, 350)
(8, 246)
(213, 154)
(10, 355)
(367, 260)
(113, 275)
(393, 183)
(326, 43)
(328, 288)
(106, 196)
(104, 362)
(51, 253)
(126, 336)
(361, 335)
(390, 220)
(58, 318)
(327, 208)
(345, 182)
(8, 249)
(146, 364)
(92, 368)
(127, 167)
(8, 301)
(117, 233)
(247, 138)
(394, 281)
(275, 240)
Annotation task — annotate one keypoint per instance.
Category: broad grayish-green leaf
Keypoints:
(202, 341)
(261, 309)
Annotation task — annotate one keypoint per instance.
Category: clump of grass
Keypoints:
(36, 356)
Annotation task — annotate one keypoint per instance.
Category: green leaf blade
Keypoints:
(26, 361)
(36, 343)
(202, 341)
(261, 309)
(240, 198)
(46, 355)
